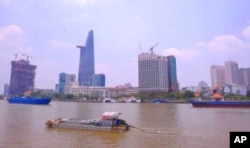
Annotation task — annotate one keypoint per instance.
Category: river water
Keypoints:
(165, 125)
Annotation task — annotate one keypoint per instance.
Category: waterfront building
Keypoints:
(64, 79)
(217, 75)
(244, 76)
(172, 75)
(101, 92)
(231, 72)
(86, 65)
(6, 90)
(153, 73)
(22, 77)
(97, 80)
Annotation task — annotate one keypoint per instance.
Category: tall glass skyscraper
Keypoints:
(87, 64)
(172, 76)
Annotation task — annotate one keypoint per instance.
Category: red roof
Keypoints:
(216, 96)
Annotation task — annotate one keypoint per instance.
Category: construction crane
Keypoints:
(27, 56)
(139, 46)
(151, 49)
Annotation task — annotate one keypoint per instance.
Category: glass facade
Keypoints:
(173, 82)
(87, 65)
(97, 80)
(64, 79)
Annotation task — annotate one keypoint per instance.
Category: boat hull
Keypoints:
(86, 125)
(29, 100)
(220, 103)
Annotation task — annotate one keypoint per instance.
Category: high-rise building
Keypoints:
(244, 76)
(231, 72)
(217, 75)
(153, 73)
(22, 77)
(172, 74)
(97, 80)
(87, 64)
(65, 79)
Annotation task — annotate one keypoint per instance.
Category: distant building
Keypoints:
(231, 72)
(57, 88)
(22, 77)
(172, 75)
(244, 76)
(217, 75)
(6, 90)
(87, 64)
(64, 79)
(97, 80)
(153, 73)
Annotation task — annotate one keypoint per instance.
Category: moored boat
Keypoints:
(29, 100)
(109, 122)
(217, 103)
(217, 100)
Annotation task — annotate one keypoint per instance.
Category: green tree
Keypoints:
(188, 94)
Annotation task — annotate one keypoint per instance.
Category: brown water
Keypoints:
(165, 125)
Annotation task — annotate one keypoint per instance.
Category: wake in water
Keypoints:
(154, 131)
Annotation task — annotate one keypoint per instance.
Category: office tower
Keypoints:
(22, 77)
(217, 75)
(231, 72)
(87, 64)
(244, 76)
(153, 73)
(97, 80)
(172, 74)
(64, 79)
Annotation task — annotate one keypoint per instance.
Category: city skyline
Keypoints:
(49, 31)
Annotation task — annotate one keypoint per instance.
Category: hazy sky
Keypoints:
(200, 33)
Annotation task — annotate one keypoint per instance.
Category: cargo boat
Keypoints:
(109, 122)
(30, 100)
(218, 103)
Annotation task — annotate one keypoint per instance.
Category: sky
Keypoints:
(198, 33)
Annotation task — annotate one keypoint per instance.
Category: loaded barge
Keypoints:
(109, 122)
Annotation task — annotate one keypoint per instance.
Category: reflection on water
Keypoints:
(160, 125)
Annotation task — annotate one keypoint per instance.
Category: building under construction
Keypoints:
(22, 77)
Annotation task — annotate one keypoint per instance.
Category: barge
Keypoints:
(109, 121)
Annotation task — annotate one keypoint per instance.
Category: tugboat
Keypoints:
(109, 122)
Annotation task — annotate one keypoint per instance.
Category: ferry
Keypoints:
(29, 100)
(109, 122)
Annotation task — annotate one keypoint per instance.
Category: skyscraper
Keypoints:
(172, 76)
(64, 79)
(22, 77)
(153, 73)
(217, 75)
(231, 72)
(87, 64)
(244, 76)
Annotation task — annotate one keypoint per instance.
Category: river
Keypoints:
(165, 125)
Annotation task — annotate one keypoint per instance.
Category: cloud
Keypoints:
(10, 31)
(246, 32)
(79, 2)
(188, 55)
